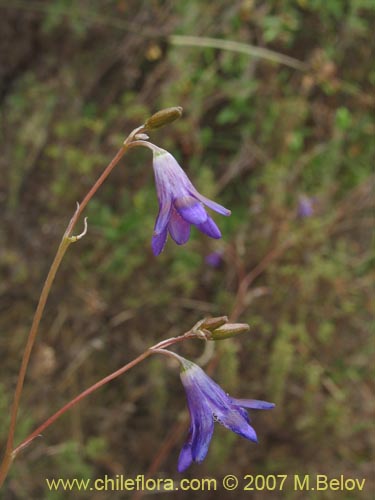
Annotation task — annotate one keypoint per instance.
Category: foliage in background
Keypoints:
(258, 137)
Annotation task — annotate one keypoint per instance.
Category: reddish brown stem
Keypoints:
(77, 399)
(94, 189)
(65, 242)
(97, 385)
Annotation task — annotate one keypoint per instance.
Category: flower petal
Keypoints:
(255, 404)
(158, 241)
(185, 459)
(191, 209)
(202, 424)
(179, 229)
(164, 191)
(236, 422)
(170, 177)
(210, 228)
(163, 216)
(204, 428)
(211, 204)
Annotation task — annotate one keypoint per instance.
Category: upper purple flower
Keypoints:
(208, 403)
(180, 204)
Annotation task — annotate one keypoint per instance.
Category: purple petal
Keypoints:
(202, 424)
(245, 431)
(200, 432)
(179, 229)
(210, 228)
(204, 428)
(244, 413)
(191, 210)
(163, 216)
(223, 407)
(212, 204)
(255, 404)
(164, 193)
(158, 242)
(185, 459)
(236, 422)
(210, 391)
(170, 177)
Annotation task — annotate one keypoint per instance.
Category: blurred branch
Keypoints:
(243, 48)
(245, 160)
(240, 300)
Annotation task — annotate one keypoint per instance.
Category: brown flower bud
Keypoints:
(163, 117)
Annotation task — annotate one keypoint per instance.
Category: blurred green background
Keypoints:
(266, 137)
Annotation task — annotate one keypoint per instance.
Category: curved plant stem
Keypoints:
(154, 349)
(76, 400)
(65, 242)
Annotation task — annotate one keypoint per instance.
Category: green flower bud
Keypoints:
(163, 117)
(213, 323)
(228, 330)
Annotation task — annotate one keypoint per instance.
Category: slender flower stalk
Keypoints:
(159, 346)
(180, 206)
(194, 332)
(67, 239)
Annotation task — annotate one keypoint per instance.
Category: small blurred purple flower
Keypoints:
(180, 204)
(208, 403)
(214, 259)
(305, 207)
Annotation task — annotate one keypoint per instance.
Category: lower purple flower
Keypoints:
(180, 204)
(208, 403)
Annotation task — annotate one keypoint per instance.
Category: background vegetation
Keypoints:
(257, 135)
